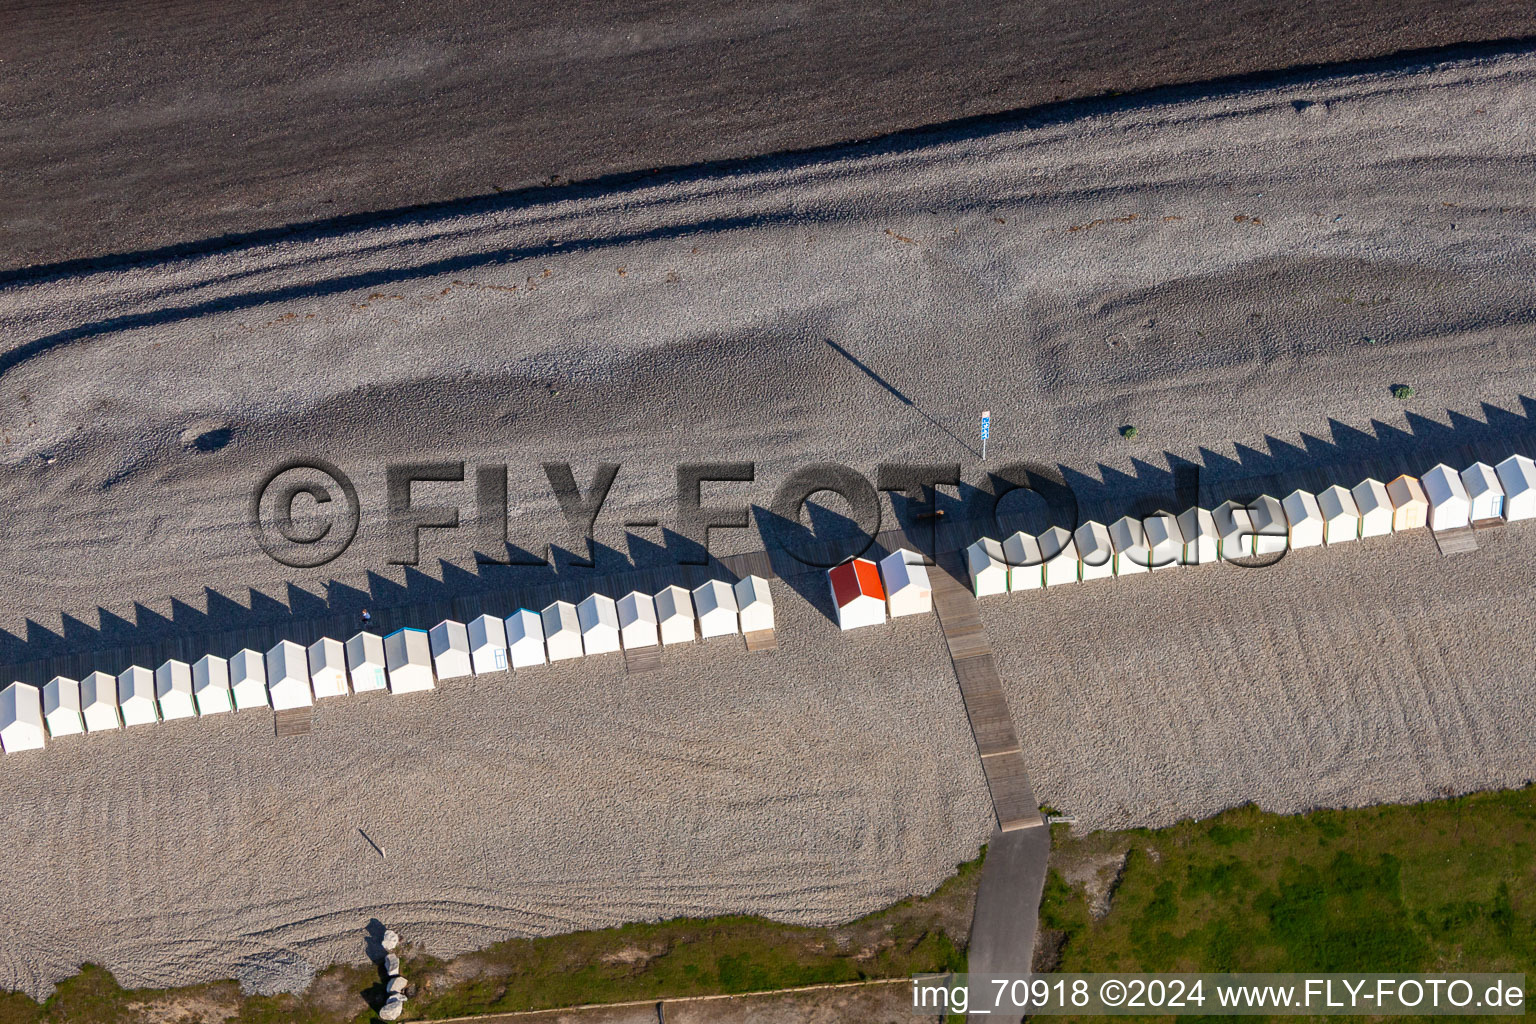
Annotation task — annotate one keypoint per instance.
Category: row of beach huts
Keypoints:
(292, 676)
(865, 592)
(1443, 499)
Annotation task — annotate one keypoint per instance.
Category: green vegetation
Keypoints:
(685, 958)
(1402, 392)
(1443, 886)
(1128, 431)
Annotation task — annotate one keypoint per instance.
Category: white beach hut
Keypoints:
(1059, 551)
(21, 718)
(562, 631)
(525, 638)
(98, 702)
(1165, 542)
(908, 590)
(488, 644)
(408, 661)
(1449, 506)
(61, 707)
(1269, 525)
(715, 603)
(1026, 569)
(288, 677)
(173, 691)
(328, 668)
(1234, 525)
(1341, 517)
(1202, 543)
(210, 685)
(1374, 505)
(637, 621)
(1095, 551)
(1304, 519)
(989, 572)
(366, 662)
(754, 604)
(451, 659)
(1485, 492)
(1132, 553)
(674, 615)
(1517, 475)
(1410, 505)
(136, 696)
(599, 619)
(248, 679)
(858, 593)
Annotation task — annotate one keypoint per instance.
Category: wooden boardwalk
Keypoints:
(761, 640)
(293, 721)
(642, 659)
(1455, 542)
(1002, 757)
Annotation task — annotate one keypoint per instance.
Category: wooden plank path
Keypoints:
(981, 688)
(642, 659)
(761, 640)
(293, 721)
(1455, 542)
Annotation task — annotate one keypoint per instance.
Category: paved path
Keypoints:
(1013, 875)
(982, 689)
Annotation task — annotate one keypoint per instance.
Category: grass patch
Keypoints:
(1442, 886)
(700, 957)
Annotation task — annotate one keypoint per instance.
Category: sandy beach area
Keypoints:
(814, 783)
(1241, 274)
(1375, 672)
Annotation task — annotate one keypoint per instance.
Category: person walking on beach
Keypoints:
(366, 617)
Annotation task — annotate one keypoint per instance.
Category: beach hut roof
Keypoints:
(598, 612)
(288, 676)
(1407, 490)
(855, 579)
(1337, 504)
(984, 553)
(1164, 538)
(1517, 475)
(1484, 475)
(525, 638)
(173, 690)
(61, 706)
(408, 660)
(636, 607)
(713, 597)
(754, 602)
(21, 718)
(1301, 508)
(1129, 536)
(1443, 486)
(488, 643)
(562, 631)
(136, 695)
(903, 570)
